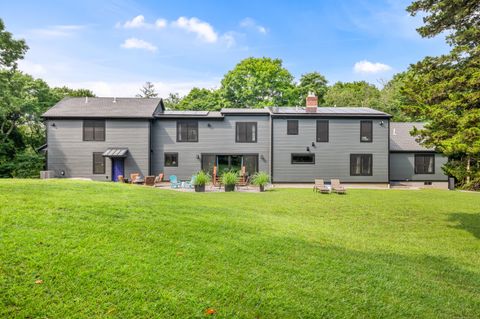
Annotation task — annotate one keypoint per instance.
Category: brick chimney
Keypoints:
(312, 103)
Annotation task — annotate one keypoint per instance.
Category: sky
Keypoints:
(113, 46)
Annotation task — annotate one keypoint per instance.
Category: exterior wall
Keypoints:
(217, 139)
(68, 152)
(402, 168)
(332, 159)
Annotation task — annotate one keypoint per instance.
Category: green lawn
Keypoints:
(122, 251)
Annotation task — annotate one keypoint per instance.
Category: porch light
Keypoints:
(308, 149)
(313, 144)
(198, 156)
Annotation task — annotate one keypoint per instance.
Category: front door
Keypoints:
(117, 168)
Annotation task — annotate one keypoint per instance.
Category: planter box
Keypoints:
(229, 188)
(200, 188)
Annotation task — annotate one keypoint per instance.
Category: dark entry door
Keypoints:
(117, 168)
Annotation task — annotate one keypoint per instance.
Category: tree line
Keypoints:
(260, 82)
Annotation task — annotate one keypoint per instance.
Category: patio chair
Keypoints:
(133, 177)
(158, 180)
(174, 183)
(190, 183)
(337, 187)
(120, 179)
(149, 180)
(320, 187)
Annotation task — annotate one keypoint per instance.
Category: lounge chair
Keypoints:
(158, 180)
(320, 187)
(174, 183)
(149, 180)
(337, 187)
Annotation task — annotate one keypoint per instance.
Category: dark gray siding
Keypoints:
(332, 159)
(68, 152)
(218, 139)
(402, 168)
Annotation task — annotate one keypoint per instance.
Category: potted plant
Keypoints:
(201, 179)
(229, 179)
(261, 179)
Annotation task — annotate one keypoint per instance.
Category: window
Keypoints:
(246, 132)
(366, 131)
(171, 160)
(94, 130)
(303, 158)
(424, 164)
(292, 127)
(361, 164)
(322, 131)
(187, 131)
(98, 163)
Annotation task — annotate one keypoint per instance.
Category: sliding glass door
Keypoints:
(228, 162)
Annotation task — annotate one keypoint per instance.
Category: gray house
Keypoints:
(101, 138)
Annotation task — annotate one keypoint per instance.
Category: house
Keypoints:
(101, 138)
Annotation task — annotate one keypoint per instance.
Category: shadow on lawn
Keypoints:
(468, 222)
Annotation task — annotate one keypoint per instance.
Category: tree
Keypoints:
(147, 91)
(201, 99)
(11, 50)
(445, 90)
(172, 101)
(23, 99)
(258, 82)
(312, 82)
(61, 92)
(352, 94)
(393, 100)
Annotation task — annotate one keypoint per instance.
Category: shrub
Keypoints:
(229, 178)
(202, 178)
(260, 179)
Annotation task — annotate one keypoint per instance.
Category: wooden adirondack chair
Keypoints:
(243, 178)
(158, 180)
(133, 177)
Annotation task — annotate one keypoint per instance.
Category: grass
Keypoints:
(109, 250)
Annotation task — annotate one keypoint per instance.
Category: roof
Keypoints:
(104, 107)
(401, 140)
(328, 111)
(245, 111)
(116, 152)
(188, 114)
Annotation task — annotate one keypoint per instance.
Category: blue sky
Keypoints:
(112, 47)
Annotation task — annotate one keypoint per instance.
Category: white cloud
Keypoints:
(138, 22)
(249, 23)
(203, 29)
(370, 67)
(57, 31)
(161, 23)
(134, 43)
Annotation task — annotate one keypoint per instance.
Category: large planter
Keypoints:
(262, 188)
(200, 188)
(230, 188)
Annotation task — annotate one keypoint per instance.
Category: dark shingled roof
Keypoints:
(107, 107)
(400, 138)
